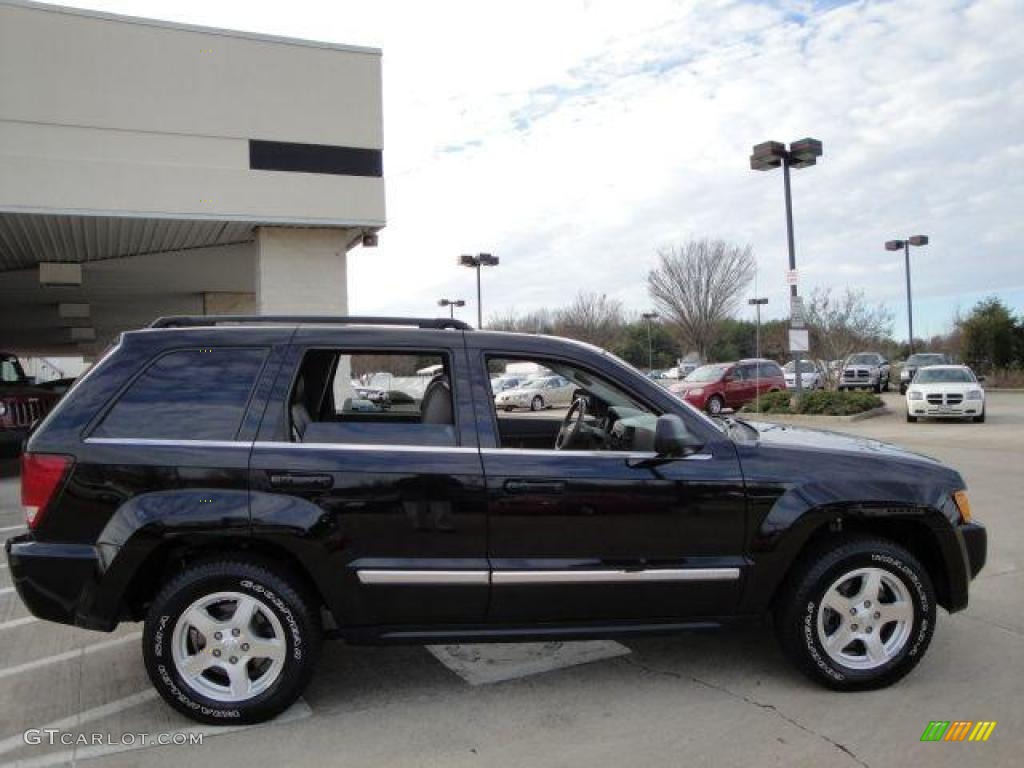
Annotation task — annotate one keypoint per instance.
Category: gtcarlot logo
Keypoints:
(54, 736)
(958, 730)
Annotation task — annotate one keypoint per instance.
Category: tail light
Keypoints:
(41, 477)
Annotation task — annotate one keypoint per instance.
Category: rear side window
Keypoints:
(193, 394)
(768, 370)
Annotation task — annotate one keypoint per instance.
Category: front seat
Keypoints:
(299, 411)
(437, 402)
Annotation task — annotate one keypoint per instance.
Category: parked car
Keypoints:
(537, 393)
(945, 392)
(718, 386)
(919, 360)
(237, 534)
(501, 383)
(865, 370)
(812, 374)
(22, 404)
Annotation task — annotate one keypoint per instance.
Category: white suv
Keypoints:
(945, 392)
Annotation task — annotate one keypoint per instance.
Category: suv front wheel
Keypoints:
(231, 641)
(857, 615)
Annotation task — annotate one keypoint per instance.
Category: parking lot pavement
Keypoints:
(725, 698)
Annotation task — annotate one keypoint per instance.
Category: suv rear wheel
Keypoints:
(857, 615)
(231, 641)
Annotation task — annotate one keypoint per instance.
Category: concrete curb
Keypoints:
(805, 418)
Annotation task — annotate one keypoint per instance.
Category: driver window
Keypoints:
(534, 408)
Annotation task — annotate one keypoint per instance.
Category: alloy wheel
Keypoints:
(865, 618)
(228, 646)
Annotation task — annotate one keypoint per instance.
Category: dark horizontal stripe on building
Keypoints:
(314, 158)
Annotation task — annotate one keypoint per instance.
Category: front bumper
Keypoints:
(924, 409)
(974, 544)
(12, 439)
(57, 581)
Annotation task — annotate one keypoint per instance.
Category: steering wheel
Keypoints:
(571, 424)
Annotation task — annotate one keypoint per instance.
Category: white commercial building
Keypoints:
(150, 168)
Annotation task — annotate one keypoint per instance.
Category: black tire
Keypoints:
(298, 617)
(903, 389)
(911, 419)
(714, 405)
(796, 614)
(980, 418)
(537, 404)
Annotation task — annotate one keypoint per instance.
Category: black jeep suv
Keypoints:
(229, 482)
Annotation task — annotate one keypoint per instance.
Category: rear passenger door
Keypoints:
(382, 498)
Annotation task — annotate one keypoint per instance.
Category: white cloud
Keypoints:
(574, 138)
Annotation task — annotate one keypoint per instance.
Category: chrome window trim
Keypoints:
(614, 575)
(423, 577)
(367, 447)
(169, 443)
(590, 454)
(379, 447)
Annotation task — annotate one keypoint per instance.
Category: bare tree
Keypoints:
(538, 321)
(593, 318)
(697, 285)
(842, 323)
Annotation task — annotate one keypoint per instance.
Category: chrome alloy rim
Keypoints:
(865, 618)
(228, 646)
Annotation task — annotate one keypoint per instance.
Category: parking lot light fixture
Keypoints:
(475, 261)
(650, 317)
(904, 245)
(451, 304)
(801, 154)
(757, 303)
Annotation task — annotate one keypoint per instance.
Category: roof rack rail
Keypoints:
(199, 321)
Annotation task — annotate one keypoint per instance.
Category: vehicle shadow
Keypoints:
(734, 660)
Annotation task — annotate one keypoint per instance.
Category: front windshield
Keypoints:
(708, 373)
(922, 360)
(863, 359)
(537, 383)
(944, 376)
(10, 370)
(805, 367)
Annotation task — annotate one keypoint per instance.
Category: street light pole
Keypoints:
(476, 262)
(451, 304)
(801, 154)
(758, 303)
(895, 245)
(649, 316)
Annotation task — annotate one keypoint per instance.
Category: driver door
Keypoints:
(591, 535)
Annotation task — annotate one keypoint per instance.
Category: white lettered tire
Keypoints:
(231, 641)
(857, 614)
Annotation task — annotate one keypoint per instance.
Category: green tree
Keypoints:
(631, 345)
(988, 335)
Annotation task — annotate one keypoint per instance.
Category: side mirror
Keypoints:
(672, 439)
(981, 379)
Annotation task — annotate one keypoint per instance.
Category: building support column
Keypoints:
(302, 270)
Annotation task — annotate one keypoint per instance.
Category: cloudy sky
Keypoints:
(574, 138)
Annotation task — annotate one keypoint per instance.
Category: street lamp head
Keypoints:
(649, 315)
(918, 240)
(487, 260)
(894, 245)
(767, 155)
(804, 153)
(467, 260)
(757, 302)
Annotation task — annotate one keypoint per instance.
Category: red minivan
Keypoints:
(729, 385)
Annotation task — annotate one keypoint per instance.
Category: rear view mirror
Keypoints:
(672, 439)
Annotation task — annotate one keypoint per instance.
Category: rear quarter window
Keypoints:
(194, 394)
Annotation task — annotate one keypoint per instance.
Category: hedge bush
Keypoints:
(820, 402)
